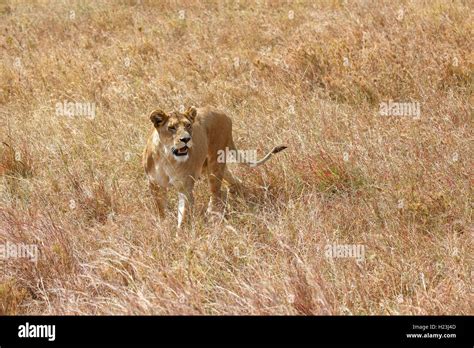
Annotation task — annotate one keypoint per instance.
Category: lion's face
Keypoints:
(175, 130)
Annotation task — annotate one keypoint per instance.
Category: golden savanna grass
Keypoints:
(310, 75)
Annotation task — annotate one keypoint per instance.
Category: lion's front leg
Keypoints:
(159, 197)
(185, 203)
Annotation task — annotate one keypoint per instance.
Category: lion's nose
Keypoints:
(185, 139)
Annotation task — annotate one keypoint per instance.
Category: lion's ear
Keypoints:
(191, 113)
(158, 117)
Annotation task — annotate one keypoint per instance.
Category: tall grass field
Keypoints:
(368, 210)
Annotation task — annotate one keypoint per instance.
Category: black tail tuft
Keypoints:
(277, 149)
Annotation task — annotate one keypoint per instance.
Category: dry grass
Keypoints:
(74, 186)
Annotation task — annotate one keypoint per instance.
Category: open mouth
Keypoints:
(181, 152)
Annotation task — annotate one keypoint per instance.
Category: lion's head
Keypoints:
(175, 131)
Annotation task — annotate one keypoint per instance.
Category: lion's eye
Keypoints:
(188, 126)
(172, 129)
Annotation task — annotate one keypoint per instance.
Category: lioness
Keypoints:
(181, 146)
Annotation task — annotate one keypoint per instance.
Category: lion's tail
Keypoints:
(250, 163)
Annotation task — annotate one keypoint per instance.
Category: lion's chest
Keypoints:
(159, 174)
(167, 175)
